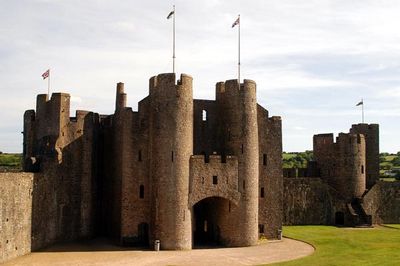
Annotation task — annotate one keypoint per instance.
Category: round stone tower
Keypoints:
(351, 165)
(239, 126)
(171, 145)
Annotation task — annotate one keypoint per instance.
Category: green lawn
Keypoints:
(347, 246)
(397, 226)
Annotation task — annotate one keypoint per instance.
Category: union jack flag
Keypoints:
(237, 21)
(46, 74)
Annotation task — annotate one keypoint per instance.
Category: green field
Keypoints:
(10, 161)
(347, 246)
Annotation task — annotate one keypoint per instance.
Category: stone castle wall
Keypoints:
(307, 201)
(15, 214)
(270, 174)
(383, 202)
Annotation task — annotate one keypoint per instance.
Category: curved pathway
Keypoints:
(99, 253)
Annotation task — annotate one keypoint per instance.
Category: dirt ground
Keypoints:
(98, 252)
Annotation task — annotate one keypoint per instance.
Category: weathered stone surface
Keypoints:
(383, 202)
(175, 169)
(15, 214)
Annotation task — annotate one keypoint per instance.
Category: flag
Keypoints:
(360, 103)
(170, 14)
(46, 74)
(237, 21)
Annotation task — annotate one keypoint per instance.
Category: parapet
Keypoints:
(213, 159)
(231, 88)
(168, 80)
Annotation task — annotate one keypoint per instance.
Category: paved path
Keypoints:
(99, 253)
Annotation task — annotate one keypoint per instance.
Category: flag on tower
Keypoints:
(46, 74)
(237, 21)
(170, 14)
(360, 103)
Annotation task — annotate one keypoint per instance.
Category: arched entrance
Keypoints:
(209, 217)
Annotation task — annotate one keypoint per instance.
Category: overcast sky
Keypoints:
(312, 60)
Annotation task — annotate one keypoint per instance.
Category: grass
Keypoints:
(390, 158)
(396, 226)
(10, 161)
(347, 246)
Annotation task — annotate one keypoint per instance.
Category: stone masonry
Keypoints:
(183, 171)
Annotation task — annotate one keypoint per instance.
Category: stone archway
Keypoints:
(209, 221)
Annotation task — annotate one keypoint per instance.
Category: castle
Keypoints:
(182, 171)
(178, 170)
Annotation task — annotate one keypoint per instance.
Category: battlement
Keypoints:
(214, 159)
(168, 80)
(364, 126)
(349, 138)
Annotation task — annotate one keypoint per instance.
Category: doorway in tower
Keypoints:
(208, 221)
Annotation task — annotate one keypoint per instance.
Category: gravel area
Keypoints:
(98, 252)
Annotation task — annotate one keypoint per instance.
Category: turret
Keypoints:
(371, 134)
(171, 142)
(52, 115)
(350, 165)
(240, 133)
(120, 99)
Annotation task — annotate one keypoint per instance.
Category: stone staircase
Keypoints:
(361, 218)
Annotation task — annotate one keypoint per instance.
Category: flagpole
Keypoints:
(362, 110)
(48, 85)
(239, 51)
(173, 43)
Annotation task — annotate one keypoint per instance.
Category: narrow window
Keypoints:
(202, 180)
(141, 192)
(229, 206)
(261, 228)
(242, 148)
(204, 115)
(140, 155)
(264, 159)
(215, 180)
(244, 184)
(262, 193)
(172, 156)
(362, 169)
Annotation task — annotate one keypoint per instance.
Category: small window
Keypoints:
(261, 228)
(140, 155)
(215, 180)
(244, 184)
(262, 193)
(264, 159)
(362, 169)
(204, 115)
(242, 148)
(202, 180)
(172, 156)
(141, 192)
(229, 206)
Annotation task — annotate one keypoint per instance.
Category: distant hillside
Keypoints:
(389, 163)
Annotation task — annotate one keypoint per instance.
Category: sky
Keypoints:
(313, 60)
